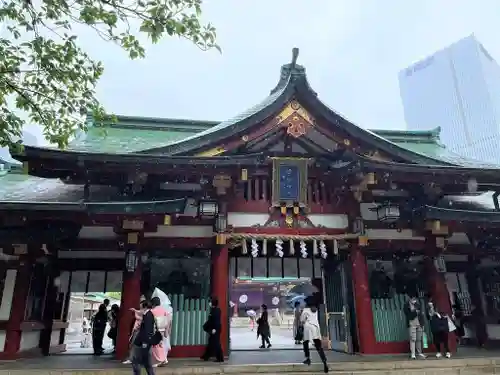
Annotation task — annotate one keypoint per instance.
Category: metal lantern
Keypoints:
(388, 213)
(131, 261)
(440, 264)
(221, 223)
(208, 208)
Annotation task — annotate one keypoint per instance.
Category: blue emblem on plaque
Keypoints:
(289, 185)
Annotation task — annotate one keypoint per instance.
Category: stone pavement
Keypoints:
(271, 362)
(242, 338)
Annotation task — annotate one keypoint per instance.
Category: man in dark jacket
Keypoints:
(213, 327)
(416, 321)
(141, 348)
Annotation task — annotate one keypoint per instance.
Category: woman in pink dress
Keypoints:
(162, 316)
(137, 323)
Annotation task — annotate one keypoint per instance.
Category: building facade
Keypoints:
(457, 89)
(288, 188)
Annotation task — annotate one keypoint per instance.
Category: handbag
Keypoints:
(157, 337)
(299, 336)
(451, 326)
(425, 341)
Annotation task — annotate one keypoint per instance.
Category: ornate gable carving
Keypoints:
(296, 119)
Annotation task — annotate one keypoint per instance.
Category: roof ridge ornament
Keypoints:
(295, 56)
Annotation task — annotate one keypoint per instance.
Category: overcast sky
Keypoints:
(352, 50)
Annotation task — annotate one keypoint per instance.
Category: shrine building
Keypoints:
(288, 188)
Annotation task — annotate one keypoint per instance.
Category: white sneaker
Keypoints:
(438, 355)
(422, 356)
(413, 357)
(448, 355)
(127, 362)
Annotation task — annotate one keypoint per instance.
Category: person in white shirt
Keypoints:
(309, 320)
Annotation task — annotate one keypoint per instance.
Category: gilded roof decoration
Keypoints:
(295, 118)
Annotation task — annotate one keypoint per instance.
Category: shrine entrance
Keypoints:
(277, 282)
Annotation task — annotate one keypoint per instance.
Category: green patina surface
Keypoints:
(133, 134)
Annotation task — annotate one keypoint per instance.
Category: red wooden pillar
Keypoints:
(131, 295)
(437, 286)
(18, 308)
(220, 283)
(364, 314)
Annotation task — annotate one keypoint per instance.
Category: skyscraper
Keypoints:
(458, 89)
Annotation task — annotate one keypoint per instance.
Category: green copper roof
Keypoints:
(133, 134)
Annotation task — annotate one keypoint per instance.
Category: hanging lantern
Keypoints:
(388, 213)
(208, 209)
(131, 261)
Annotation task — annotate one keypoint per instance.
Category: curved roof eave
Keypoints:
(283, 93)
(310, 99)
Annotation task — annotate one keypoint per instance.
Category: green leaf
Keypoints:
(48, 79)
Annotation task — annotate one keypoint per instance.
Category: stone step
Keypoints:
(371, 366)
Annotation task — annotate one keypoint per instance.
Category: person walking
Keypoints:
(138, 314)
(415, 320)
(263, 328)
(310, 322)
(298, 329)
(98, 328)
(113, 324)
(162, 316)
(213, 327)
(439, 328)
(142, 344)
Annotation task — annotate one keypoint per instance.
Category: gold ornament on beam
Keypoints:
(133, 238)
(244, 175)
(221, 239)
(167, 220)
(370, 179)
(289, 221)
(363, 241)
(221, 183)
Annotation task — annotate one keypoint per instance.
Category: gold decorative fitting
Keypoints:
(221, 239)
(244, 138)
(133, 238)
(347, 142)
(244, 175)
(295, 118)
(289, 221)
(221, 182)
(296, 210)
(167, 220)
(362, 241)
(283, 210)
(370, 178)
